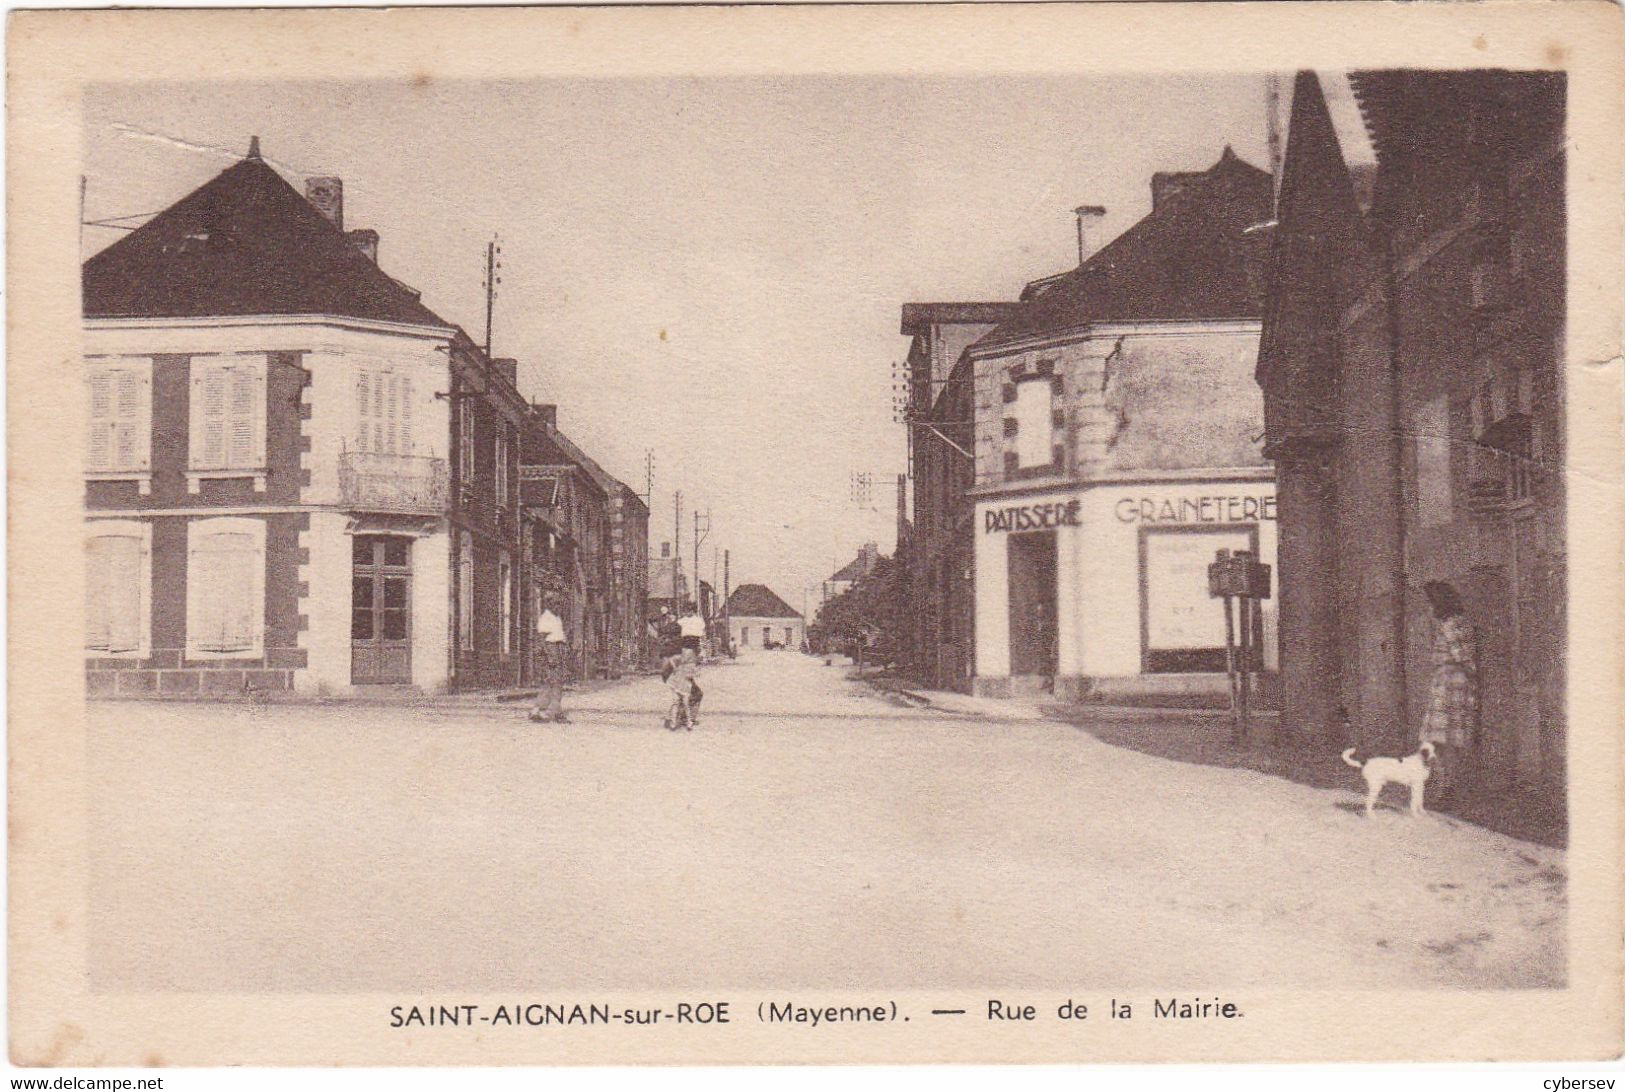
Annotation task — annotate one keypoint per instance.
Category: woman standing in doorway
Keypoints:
(1452, 714)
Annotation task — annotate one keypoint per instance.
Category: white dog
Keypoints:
(1411, 770)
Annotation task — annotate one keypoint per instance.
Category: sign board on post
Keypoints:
(1238, 576)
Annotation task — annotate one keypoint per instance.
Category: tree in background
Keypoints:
(866, 621)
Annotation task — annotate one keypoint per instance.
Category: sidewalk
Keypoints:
(1045, 707)
(1202, 737)
(383, 695)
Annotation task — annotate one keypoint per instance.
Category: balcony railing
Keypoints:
(376, 482)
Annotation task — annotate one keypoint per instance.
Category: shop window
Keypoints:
(120, 440)
(118, 575)
(225, 587)
(1182, 626)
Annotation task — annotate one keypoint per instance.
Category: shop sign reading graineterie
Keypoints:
(1236, 509)
(1034, 517)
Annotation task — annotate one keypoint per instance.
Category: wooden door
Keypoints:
(381, 609)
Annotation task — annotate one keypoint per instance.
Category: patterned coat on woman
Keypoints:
(1452, 714)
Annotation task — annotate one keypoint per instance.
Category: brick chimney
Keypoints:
(327, 194)
(366, 241)
(548, 412)
(508, 368)
(1090, 218)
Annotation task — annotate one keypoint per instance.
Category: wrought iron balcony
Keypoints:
(376, 482)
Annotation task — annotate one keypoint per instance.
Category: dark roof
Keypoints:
(759, 601)
(244, 243)
(600, 478)
(916, 315)
(852, 571)
(1188, 259)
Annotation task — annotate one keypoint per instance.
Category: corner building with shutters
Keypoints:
(274, 488)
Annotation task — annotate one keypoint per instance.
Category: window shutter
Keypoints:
(465, 452)
(127, 411)
(123, 594)
(238, 561)
(205, 592)
(96, 584)
(392, 414)
(99, 451)
(465, 592)
(363, 407)
(221, 579)
(406, 415)
(244, 401)
(378, 413)
(210, 390)
(142, 421)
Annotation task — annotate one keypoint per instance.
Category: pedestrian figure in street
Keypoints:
(550, 698)
(1451, 721)
(685, 669)
(692, 627)
(670, 632)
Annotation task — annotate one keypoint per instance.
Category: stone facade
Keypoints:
(1412, 373)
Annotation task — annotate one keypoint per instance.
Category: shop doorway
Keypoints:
(1034, 645)
(381, 610)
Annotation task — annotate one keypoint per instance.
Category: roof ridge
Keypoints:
(245, 242)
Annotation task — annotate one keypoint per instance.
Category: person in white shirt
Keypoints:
(693, 627)
(550, 698)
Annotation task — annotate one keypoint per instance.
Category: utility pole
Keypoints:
(727, 628)
(493, 264)
(698, 538)
(649, 478)
(677, 545)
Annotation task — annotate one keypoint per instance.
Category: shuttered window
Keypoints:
(117, 574)
(465, 591)
(225, 587)
(465, 445)
(383, 412)
(505, 589)
(228, 415)
(501, 458)
(120, 417)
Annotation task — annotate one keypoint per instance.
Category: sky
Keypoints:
(711, 269)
